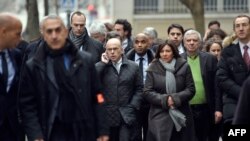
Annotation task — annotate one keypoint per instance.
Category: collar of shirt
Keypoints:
(181, 49)
(125, 43)
(242, 49)
(193, 57)
(117, 64)
(137, 58)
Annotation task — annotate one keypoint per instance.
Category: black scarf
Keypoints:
(77, 40)
(68, 109)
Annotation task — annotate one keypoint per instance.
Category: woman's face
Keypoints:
(215, 49)
(166, 54)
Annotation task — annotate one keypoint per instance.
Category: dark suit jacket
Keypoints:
(131, 55)
(232, 72)
(208, 65)
(8, 102)
(242, 113)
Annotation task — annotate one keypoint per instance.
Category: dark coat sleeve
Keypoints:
(99, 104)
(225, 81)
(150, 94)
(28, 106)
(242, 113)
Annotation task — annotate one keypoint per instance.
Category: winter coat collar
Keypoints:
(157, 67)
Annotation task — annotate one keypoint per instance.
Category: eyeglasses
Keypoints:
(112, 49)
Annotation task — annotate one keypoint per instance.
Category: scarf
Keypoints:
(177, 116)
(77, 40)
(68, 107)
(170, 78)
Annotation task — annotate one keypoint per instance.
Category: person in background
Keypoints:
(109, 26)
(214, 46)
(175, 35)
(142, 55)
(78, 34)
(98, 31)
(216, 33)
(152, 36)
(212, 25)
(10, 64)
(124, 28)
(61, 97)
(203, 67)
(122, 84)
(169, 85)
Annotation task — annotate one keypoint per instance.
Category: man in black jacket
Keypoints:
(10, 63)
(203, 67)
(142, 55)
(60, 94)
(122, 85)
(78, 34)
(233, 69)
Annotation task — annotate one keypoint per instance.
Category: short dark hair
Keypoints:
(176, 26)
(173, 48)
(78, 13)
(219, 32)
(126, 26)
(213, 22)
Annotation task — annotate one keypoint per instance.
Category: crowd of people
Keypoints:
(104, 84)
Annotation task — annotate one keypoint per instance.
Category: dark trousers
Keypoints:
(120, 133)
(139, 131)
(7, 134)
(70, 132)
(201, 121)
(216, 131)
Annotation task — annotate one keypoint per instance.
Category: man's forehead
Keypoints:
(141, 37)
(113, 41)
(52, 23)
(241, 20)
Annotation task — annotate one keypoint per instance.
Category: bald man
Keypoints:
(10, 62)
(142, 51)
(122, 85)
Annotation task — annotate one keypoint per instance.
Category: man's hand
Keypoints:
(217, 116)
(103, 138)
(105, 58)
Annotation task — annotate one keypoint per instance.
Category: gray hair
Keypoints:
(98, 27)
(151, 32)
(44, 19)
(191, 31)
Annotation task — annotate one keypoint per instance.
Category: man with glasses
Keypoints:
(122, 85)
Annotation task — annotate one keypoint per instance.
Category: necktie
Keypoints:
(141, 66)
(4, 71)
(246, 56)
